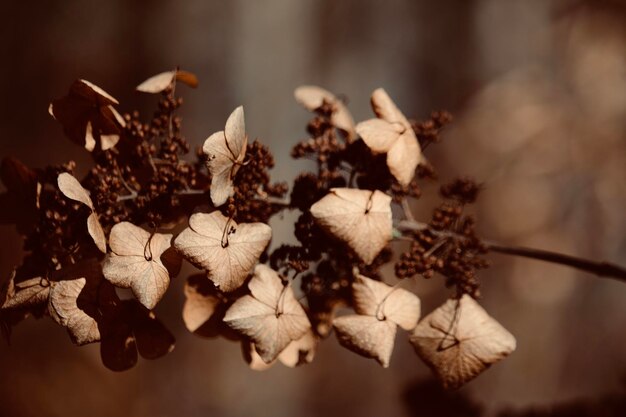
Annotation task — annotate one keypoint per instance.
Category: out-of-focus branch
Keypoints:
(599, 268)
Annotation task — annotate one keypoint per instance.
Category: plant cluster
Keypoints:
(149, 202)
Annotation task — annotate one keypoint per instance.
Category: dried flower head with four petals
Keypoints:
(226, 250)
(270, 316)
(361, 218)
(391, 133)
(141, 261)
(88, 116)
(380, 309)
(459, 340)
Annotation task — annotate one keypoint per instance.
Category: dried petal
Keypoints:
(96, 232)
(226, 151)
(380, 309)
(64, 308)
(271, 316)
(361, 218)
(313, 97)
(200, 303)
(135, 262)
(367, 336)
(28, 293)
(71, 188)
(459, 340)
(299, 352)
(252, 357)
(227, 251)
(375, 298)
(158, 83)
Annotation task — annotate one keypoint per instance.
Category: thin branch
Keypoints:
(599, 268)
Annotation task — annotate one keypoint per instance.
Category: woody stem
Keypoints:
(599, 268)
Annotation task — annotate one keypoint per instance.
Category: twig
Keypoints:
(599, 268)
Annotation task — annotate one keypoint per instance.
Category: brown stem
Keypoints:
(599, 268)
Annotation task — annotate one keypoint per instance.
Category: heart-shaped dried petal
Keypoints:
(271, 316)
(361, 218)
(226, 250)
(459, 340)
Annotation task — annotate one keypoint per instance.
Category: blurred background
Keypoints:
(538, 91)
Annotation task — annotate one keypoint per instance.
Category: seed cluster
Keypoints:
(449, 246)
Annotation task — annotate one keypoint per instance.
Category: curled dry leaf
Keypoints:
(88, 114)
(139, 261)
(361, 218)
(459, 340)
(71, 188)
(313, 97)
(392, 134)
(226, 151)
(226, 250)
(380, 309)
(27, 293)
(160, 82)
(299, 352)
(271, 316)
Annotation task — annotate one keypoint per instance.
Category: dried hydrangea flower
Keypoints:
(270, 316)
(313, 97)
(459, 340)
(226, 250)
(71, 188)
(141, 261)
(392, 134)
(160, 82)
(361, 218)
(88, 114)
(380, 309)
(226, 151)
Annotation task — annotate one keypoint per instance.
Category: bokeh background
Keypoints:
(538, 91)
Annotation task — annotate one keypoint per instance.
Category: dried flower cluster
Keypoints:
(120, 227)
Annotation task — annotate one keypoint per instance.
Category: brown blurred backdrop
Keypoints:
(538, 89)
